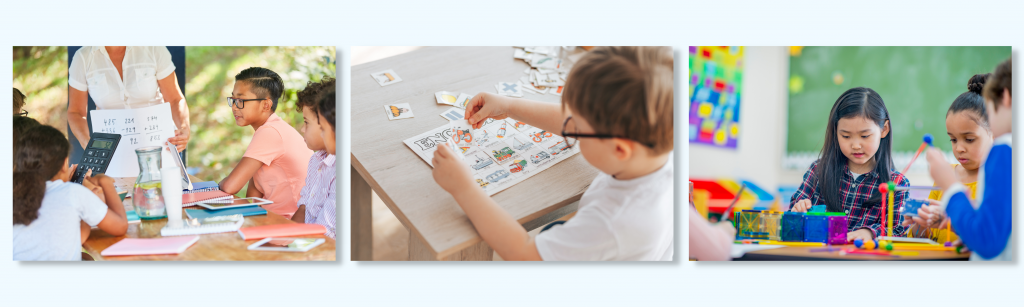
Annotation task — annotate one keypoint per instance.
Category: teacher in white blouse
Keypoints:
(119, 77)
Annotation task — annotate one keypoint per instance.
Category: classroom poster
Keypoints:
(716, 78)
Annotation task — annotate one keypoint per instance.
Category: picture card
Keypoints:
(454, 113)
(448, 98)
(398, 111)
(509, 89)
(463, 100)
(387, 77)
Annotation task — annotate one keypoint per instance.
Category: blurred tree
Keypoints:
(41, 73)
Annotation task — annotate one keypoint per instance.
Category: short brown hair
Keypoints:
(19, 99)
(310, 96)
(626, 92)
(1001, 79)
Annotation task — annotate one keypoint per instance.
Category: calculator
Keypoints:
(97, 155)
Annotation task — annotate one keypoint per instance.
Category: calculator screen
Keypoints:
(102, 144)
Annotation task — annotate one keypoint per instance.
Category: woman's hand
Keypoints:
(486, 105)
(802, 205)
(863, 234)
(181, 136)
(449, 171)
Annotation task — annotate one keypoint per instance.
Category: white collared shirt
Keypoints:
(92, 71)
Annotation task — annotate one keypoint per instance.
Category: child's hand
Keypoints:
(449, 171)
(802, 205)
(943, 175)
(99, 179)
(932, 214)
(727, 228)
(863, 234)
(87, 183)
(486, 105)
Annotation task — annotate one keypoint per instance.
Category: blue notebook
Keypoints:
(204, 213)
(132, 217)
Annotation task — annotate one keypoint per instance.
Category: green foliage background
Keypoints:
(41, 73)
(217, 144)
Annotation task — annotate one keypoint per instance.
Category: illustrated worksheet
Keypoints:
(501, 153)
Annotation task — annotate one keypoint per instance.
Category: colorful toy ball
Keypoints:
(883, 188)
(928, 138)
(888, 246)
(858, 243)
(948, 244)
(869, 244)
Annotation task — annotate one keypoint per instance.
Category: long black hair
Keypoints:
(40, 156)
(972, 101)
(855, 102)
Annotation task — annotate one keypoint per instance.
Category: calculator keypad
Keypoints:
(93, 159)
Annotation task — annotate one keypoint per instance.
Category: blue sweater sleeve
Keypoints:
(986, 231)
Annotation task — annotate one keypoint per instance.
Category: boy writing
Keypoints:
(617, 104)
(316, 203)
(274, 164)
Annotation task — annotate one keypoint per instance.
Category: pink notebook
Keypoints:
(157, 246)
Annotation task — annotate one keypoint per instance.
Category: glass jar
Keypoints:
(147, 198)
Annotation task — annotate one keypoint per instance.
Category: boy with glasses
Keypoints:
(617, 103)
(274, 164)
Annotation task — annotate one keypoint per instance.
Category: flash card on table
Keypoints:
(453, 113)
(463, 100)
(509, 89)
(536, 89)
(387, 77)
(557, 90)
(448, 98)
(398, 111)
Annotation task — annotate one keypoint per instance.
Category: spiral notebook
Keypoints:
(188, 200)
(199, 187)
(218, 224)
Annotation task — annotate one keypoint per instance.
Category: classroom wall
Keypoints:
(759, 151)
(763, 116)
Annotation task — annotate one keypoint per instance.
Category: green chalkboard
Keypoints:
(917, 84)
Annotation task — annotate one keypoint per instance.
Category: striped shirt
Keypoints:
(854, 193)
(318, 193)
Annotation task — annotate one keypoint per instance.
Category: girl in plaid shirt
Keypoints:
(856, 158)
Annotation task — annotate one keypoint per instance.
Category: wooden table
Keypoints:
(803, 253)
(440, 229)
(210, 247)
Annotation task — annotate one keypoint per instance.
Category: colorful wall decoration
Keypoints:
(716, 78)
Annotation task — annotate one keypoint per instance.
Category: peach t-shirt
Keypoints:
(284, 155)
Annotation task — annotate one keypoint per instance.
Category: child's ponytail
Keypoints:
(40, 156)
(972, 101)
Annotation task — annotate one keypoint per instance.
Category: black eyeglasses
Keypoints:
(571, 134)
(240, 103)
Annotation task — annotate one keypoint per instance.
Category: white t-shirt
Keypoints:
(91, 70)
(617, 220)
(56, 234)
